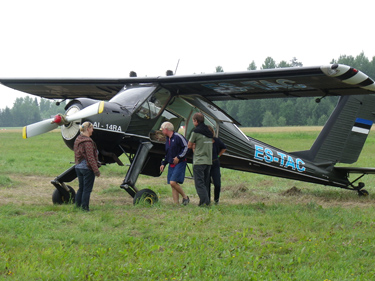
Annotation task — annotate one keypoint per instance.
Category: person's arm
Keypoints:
(92, 162)
(221, 152)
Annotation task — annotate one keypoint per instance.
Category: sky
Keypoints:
(108, 39)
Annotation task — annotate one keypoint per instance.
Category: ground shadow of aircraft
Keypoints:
(128, 121)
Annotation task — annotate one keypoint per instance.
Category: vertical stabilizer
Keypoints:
(345, 132)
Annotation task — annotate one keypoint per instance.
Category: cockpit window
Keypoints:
(131, 98)
(151, 108)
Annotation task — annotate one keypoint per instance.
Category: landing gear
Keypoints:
(359, 188)
(363, 192)
(60, 198)
(63, 193)
(137, 164)
(145, 196)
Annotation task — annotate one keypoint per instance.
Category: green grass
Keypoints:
(256, 233)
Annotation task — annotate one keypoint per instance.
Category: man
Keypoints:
(175, 155)
(201, 143)
(218, 149)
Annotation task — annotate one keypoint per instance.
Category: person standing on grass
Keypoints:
(175, 155)
(87, 165)
(218, 148)
(201, 143)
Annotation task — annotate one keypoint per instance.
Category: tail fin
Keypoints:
(345, 132)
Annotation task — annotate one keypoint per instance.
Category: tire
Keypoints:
(68, 197)
(145, 196)
(363, 192)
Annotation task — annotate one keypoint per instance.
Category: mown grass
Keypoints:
(258, 232)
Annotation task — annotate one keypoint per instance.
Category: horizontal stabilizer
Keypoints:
(356, 170)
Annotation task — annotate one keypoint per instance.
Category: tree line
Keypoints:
(29, 110)
(250, 113)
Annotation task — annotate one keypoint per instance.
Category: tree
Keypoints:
(295, 63)
(283, 63)
(25, 111)
(269, 120)
(6, 118)
(252, 66)
(269, 63)
(219, 69)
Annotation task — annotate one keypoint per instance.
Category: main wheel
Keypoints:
(68, 197)
(145, 196)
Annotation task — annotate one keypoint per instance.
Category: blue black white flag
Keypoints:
(362, 126)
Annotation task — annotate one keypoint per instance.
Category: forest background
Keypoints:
(250, 113)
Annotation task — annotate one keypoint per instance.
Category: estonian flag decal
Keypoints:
(362, 126)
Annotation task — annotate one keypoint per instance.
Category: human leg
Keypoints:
(89, 178)
(176, 190)
(78, 198)
(207, 182)
(176, 175)
(216, 179)
(200, 183)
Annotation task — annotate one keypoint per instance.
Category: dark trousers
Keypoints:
(216, 180)
(202, 183)
(86, 180)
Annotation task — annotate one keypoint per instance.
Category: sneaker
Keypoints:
(185, 201)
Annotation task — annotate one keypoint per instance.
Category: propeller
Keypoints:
(52, 123)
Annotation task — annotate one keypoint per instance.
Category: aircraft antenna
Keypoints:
(176, 67)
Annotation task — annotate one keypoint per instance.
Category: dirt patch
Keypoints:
(294, 191)
(37, 190)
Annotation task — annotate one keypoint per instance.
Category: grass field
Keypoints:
(260, 230)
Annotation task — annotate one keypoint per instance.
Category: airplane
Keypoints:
(127, 114)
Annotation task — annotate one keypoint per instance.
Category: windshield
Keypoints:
(133, 97)
(154, 104)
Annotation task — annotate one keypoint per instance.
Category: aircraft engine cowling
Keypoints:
(109, 126)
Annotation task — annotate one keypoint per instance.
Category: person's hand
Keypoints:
(97, 174)
(161, 168)
(176, 160)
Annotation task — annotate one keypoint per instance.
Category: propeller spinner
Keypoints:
(59, 120)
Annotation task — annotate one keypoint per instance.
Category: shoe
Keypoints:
(185, 201)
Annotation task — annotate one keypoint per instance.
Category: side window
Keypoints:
(151, 108)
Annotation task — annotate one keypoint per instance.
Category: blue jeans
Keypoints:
(86, 178)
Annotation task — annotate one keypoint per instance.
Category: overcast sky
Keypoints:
(111, 38)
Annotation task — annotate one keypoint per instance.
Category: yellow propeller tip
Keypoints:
(24, 134)
(101, 107)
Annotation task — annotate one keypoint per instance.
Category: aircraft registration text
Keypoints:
(109, 127)
(286, 161)
(246, 86)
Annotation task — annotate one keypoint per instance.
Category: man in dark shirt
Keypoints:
(218, 148)
(175, 155)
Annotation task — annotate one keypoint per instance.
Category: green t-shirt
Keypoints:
(203, 149)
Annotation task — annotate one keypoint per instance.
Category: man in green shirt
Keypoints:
(201, 144)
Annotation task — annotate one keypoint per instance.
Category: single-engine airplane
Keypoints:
(127, 114)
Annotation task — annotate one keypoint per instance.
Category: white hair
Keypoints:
(167, 125)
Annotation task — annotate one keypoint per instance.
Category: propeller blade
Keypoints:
(38, 128)
(91, 110)
(50, 124)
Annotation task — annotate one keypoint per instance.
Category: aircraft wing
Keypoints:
(330, 80)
